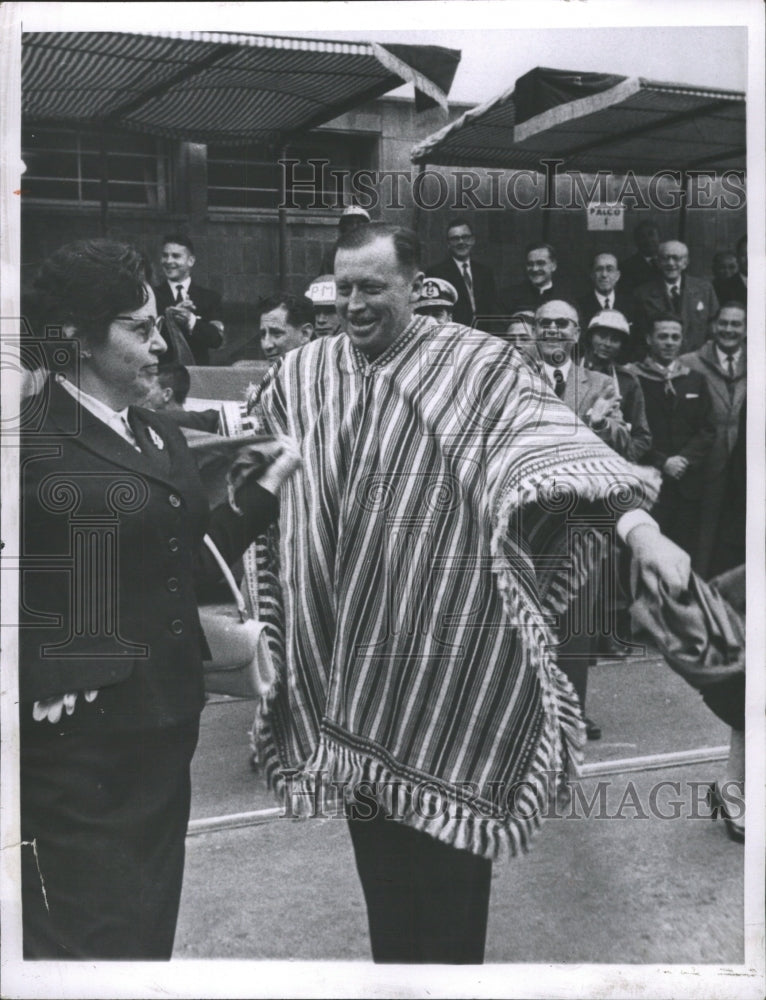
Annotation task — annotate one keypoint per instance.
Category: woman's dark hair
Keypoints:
(86, 284)
(405, 242)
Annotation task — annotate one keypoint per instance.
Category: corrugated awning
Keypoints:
(596, 122)
(217, 87)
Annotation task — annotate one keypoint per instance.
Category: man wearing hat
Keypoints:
(321, 291)
(608, 332)
(351, 217)
(438, 298)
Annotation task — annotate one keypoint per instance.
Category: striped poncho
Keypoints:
(422, 545)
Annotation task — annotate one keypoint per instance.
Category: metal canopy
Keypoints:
(217, 87)
(596, 122)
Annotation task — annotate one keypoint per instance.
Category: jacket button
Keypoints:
(176, 626)
(175, 501)
(172, 584)
(173, 544)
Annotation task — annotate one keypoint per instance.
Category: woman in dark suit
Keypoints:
(110, 668)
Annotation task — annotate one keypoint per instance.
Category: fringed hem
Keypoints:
(498, 825)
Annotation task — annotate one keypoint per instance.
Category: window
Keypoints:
(251, 176)
(65, 165)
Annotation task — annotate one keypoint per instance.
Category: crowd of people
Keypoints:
(423, 423)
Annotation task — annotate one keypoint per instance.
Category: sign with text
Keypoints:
(605, 215)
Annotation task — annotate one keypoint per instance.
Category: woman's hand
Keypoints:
(51, 708)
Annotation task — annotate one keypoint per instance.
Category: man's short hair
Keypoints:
(720, 254)
(175, 376)
(647, 226)
(459, 220)
(665, 317)
(406, 245)
(181, 239)
(541, 246)
(299, 309)
(730, 304)
(88, 283)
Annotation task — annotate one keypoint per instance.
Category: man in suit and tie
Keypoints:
(194, 310)
(593, 399)
(723, 363)
(691, 300)
(641, 267)
(474, 282)
(604, 294)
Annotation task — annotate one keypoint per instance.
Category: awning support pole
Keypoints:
(282, 235)
(103, 186)
(684, 203)
(417, 211)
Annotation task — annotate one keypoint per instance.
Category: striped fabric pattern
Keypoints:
(435, 506)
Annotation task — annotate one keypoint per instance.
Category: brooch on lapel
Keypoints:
(155, 438)
(700, 306)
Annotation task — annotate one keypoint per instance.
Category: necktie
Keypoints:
(675, 299)
(607, 302)
(468, 283)
(179, 294)
(558, 382)
(730, 375)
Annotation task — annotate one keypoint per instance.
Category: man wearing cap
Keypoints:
(437, 298)
(473, 281)
(195, 310)
(723, 363)
(605, 293)
(691, 300)
(607, 334)
(321, 291)
(351, 217)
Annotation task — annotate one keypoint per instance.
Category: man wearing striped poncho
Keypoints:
(437, 522)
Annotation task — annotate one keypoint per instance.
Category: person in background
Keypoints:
(520, 332)
(286, 323)
(595, 400)
(196, 310)
(110, 649)
(168, 394)
(605, 341)
(724, 267)
(473, 281)
(437, 299)
(321, 291)
(734, 289)
(540, 285)
(679, 411)
(605, 293)
(723, 363)
(642, 266)
(351, 217)
(691, 300)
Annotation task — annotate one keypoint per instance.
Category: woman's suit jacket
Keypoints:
(111, 550)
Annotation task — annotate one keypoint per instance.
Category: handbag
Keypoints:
(698, 633)
(240, 662)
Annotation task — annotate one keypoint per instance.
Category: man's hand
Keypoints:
(658, 559)
(675, 466)
(183, 313)
(52, 708)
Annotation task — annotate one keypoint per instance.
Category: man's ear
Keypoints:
(167, 394)
(416, 286)
(307, 330)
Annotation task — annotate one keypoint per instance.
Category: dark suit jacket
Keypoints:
(582, 389)
(205, 335)
(484, 290)
(111, 548)
(698, 306)
(681, 424)
(635, 271)
(732, 289)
